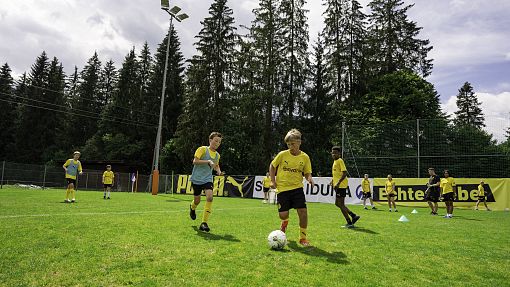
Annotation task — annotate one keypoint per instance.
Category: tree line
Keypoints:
(250, 83)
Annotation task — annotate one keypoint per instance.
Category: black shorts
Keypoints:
(448, 196)
(367, 195)
(481, 197)
(390, 195)
(70, 180)
(105, 185)
(197, 188)
(294, 198)
(432, 196)
(266, 189)
(341, 192)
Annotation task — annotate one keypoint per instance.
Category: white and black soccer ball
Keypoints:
(277, 239)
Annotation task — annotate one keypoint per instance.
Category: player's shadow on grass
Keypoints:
(466, 218)
(362, 229)
(212, 236)
(333, 257)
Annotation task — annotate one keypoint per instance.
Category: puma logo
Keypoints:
(239, 186)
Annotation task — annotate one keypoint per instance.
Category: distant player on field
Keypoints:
(447, 185)
(72, 167)
(481, 196)
(432, 193)
(391, 192)
(340, 185)
(108, 180)
(266, 184)
(365, 188)
(207, 159)
(286, 171)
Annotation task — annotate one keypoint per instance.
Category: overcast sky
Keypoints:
(471, 38)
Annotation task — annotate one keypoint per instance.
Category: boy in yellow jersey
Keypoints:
(365, 188)
(481, 196)
(108, 180)
(286, 172)
(207, 159)
(447, 185)
(340, 185)
(72, 168)
(391, 192)
(266, 183)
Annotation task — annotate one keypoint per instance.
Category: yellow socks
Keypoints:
(302, 233)
(207, 211)
(72, 193)
(67, 193)
(193, 205)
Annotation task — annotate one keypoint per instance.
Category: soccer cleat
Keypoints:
(67, 201)
(73, 201)
(348, 226)
(192, 213)
(476, 208)
(355, 218)
(283, 226)
(396, 210)
(104, 196)
(390, 209)
(373, 207)
(304, 242)
(446, 216)
(108, 197)
(204, 227)
(488, 209)
(264, 201)
(365, 208)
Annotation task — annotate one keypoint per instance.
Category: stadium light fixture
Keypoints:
(174, 14)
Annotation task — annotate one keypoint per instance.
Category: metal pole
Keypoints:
(418, 141)
(158, 135)
(44, 177)
(2, 181)
(343, 139)
(172, 183)
(87, 181)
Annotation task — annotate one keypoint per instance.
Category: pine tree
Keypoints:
(294, 51)
(8, 114)
(109, 78)
(394, 42)
(469, 111)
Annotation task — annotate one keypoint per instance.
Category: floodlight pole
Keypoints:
(155, 173)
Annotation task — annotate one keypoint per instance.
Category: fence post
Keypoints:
(418, 142)
(172, 188)
(343, 139)
(2, 181)
(44, 177)
(87, 181)
(166, 181)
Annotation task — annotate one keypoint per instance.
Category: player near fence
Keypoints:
(340, 185)
(266, 185)
(365, 188)
(481, 196)
(72, 167)
(108, 180)
(391, 192)
(286, 171)
(432, 192)
(206, 159)
(447, 193)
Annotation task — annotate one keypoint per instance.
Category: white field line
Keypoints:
(110, 213)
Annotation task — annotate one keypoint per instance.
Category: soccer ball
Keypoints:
(277, 239)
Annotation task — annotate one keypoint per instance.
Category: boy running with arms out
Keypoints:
(340, 184)
(286, 172)
(365, 188)
(108, 180)
(205, 161)
(72, 167)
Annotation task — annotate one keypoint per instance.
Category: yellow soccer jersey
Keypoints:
(266, 182)
(73, 168)
(338, 167)
(290, 170)
(108, 177)
(389, 187)
(447, 184)
(365, 185)
(200, 152)
(481, 190)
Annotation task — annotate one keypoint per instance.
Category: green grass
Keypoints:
(144, 240)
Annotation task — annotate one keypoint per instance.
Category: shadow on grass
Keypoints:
(333, 257)
(466, 218)
(362, 229)
(212, 236)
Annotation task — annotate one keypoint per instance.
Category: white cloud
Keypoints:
(496, 109)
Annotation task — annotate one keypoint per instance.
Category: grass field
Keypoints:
(144, 240)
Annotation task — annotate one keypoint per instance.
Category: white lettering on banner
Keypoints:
(322, 191)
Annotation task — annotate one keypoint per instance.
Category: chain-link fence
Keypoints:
(407, 149)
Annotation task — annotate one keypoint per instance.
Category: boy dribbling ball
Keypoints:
(72, 167)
